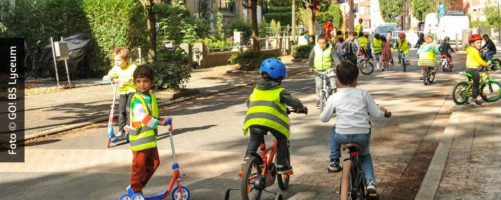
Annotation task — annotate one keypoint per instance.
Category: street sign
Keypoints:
(341, 1)
(345, 8)
(441, 10)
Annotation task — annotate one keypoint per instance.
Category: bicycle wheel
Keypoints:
(252, 170)
(481, 68)
(346, 180)
(282, 179)
(366, 67)
(426, 74)
(322, 102)
(431, 75)
(459, 94)
(490, 92)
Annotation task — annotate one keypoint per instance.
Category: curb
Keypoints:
(104, 119)
(434, 173)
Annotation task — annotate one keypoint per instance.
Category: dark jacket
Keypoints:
(445, 47)
(285, 96)
(490, 45)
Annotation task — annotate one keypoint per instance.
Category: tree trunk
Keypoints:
(150, 16)
(311, 27)
(255, 30)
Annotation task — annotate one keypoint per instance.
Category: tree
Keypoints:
(419, 9)
(255, 28)
(333, 14)
(491, 13)
(390, 9)
(433, 4)
(312, 7)
(150, 16)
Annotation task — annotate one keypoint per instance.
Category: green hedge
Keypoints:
(242, 25)
(172, 75)
(283, 18)
(250, 61)
(302, 52)
(274, 9)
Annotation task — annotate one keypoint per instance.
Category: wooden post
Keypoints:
(294, 22)
(55, 61)
(457, 42)
(66, 64)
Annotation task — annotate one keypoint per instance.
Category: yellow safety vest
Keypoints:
(427, 58)
(143, 137)
(266, 110)
(323, 59)
(402, 46)
(378, 47)
(358, 28)
(363, 42)
(124, 74)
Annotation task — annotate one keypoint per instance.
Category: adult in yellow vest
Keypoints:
(359, 28)
(268, 113)
(403, 47)
(378, 48)
(322, 59)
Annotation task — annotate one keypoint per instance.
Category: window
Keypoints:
(226, 5)
(369, 10)
(362, 9)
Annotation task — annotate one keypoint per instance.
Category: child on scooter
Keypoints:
(352, 120)
(143, 130)
(267, 112)
(123, 69)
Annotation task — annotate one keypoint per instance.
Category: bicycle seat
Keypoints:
(443, 57)
(351, 146)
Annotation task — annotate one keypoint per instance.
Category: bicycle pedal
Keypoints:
(240, 174)
(372, 196)
(289, 173)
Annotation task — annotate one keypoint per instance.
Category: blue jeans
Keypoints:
(365, 157)
(488, 55)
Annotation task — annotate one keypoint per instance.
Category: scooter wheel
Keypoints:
(138, 197)
(108, 141)
(176, 193)
(124, 197)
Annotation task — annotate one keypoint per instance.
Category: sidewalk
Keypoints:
(472, 168)
(72, 108)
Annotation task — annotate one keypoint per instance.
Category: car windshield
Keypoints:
(383, 29)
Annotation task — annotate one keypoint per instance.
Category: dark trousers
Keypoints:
(257, 135)
(124, 110)
(476, 81)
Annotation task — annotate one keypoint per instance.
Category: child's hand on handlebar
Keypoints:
(301, 109)
(387, 115)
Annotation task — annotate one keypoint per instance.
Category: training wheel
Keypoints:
(176, 193)
(278, 197)
(138, 196)
(108, 141)
(124, 197)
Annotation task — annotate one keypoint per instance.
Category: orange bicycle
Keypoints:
(260, 172)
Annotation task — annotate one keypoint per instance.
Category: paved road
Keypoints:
(210, 145)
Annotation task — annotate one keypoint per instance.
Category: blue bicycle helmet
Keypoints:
(274, 68)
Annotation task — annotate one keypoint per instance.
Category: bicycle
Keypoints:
(403, 60)
(463, 90)
(365, 66)
(353, 178)
(259, 172)
(445, 64)
(326, 91)
(495, 61)
(428, 75)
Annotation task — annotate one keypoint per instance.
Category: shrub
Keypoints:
(302, 52)
(250, 61)
(215, 45)
(242, 25)
(283, 18)
(172, 75)
(280, 9)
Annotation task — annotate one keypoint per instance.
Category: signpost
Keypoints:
(441, 10)
(345, 8)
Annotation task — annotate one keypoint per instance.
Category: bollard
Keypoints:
(457, 42)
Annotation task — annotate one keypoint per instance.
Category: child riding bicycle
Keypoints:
(427, 55)
(323, 57)
(352, 107)
(490, 47)
(445, 48)
(473, 61)
(351, 48)
(403, 47)
(267, 112)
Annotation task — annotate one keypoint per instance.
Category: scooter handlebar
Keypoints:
(168, 121)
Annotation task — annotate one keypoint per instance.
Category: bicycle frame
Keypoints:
(484, 79)
(264, 155)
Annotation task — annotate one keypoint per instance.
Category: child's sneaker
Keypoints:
(120, 134)
(334, 166)
(371, 187)
(421, 77)
(284, 169)
(475, 102)
(318, 104)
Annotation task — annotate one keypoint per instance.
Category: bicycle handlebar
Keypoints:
(116, 80)
(294, 110)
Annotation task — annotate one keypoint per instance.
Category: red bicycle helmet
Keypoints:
(401, 35)
(475, 37)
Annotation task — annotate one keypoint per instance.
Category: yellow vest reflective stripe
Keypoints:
(143, 137)
(402, 46)
(266, 110)
(323, 59)
(378, 47)
(363, 42)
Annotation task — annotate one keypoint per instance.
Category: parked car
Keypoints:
(384, 28)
